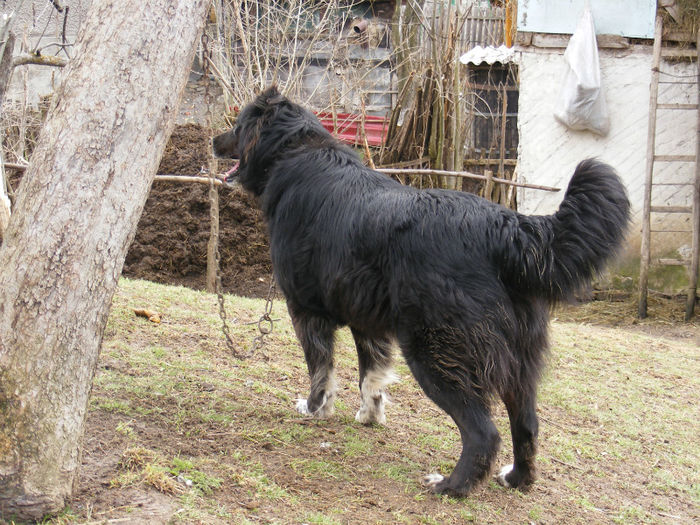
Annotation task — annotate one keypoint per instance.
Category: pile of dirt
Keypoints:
(171, 239)
(170, 246)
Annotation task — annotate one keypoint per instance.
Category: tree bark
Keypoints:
(75, 217)
(6, 49)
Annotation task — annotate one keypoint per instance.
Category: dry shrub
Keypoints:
(136, 458)
(161, 480)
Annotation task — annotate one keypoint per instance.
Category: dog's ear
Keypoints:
(273, 101)
(271, 97)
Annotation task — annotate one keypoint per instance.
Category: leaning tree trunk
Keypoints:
(75, 217)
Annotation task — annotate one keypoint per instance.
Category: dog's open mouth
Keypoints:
(231, 173)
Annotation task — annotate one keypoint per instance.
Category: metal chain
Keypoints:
(222, 308)
(265, 323)
(206, 57)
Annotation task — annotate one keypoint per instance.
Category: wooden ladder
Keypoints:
(693, 184)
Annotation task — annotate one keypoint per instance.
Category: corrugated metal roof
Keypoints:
(489, 54)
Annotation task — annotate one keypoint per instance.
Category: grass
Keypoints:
(207, 438)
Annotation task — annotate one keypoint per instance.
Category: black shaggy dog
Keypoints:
(464, 286)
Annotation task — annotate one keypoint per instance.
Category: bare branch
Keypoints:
(57, 5)
(39, 60)
(466, 175)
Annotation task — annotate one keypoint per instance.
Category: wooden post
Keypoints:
(502, 152)
(213, 245)
(651, 146)
(693, 269)
(489, 184)
(511, 191)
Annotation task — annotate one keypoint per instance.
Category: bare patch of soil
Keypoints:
(170, 246)
(171, 240)
(666, 315)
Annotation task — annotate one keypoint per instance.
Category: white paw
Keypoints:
(433, 479)
(369, 417)
(501, 477)
(302, 407)
(372, 410)
(325, 410)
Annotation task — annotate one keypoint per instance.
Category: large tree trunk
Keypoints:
(75, 217)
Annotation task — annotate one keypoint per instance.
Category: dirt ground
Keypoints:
(170, 404)
(171, 240)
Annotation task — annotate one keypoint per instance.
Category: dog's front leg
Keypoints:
(316, 337)
(320, 402)
(374, 357)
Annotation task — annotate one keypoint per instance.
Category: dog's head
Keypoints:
(264, 130)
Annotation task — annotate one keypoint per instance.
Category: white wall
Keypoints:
(548, 151)
(631, 18)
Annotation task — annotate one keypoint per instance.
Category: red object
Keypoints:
(349, 127)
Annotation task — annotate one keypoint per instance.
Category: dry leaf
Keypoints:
(152, 316)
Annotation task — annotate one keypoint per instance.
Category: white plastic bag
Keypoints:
(581, 104)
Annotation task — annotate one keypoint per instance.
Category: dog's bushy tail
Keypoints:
(554, 256)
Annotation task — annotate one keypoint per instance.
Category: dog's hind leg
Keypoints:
(316, 337)
(374, 357)
(444, 373)
(523, 429)
(519, 394)
(480, 443)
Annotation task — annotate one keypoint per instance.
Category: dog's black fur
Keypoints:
(463, 285)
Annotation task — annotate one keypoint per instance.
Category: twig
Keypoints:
(566, 464)
(54, 44)
(111, 520)
(365, 144)
(310, 422)
(57, 5)
(666, 515)
(550, 422)
(219, 76)
(407, 163)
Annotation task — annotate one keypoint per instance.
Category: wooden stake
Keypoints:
(651, 145)
(213, 244)
(488, 188)
(695, 256)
